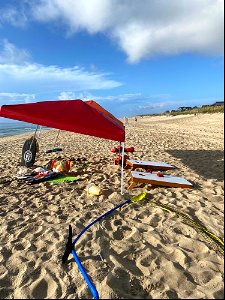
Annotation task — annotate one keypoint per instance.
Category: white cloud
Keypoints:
(10, 54)
(133, 104)
(22, 79)
(120, 98)
(92, 16)
(134, 98)
(143, 28)
(84, 95)
(34, 78)
(66, 96)
(13, 16)
(16, 98)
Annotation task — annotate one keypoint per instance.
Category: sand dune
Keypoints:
(146, 252)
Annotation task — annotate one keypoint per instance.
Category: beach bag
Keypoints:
(30, 148)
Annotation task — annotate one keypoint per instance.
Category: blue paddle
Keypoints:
(71, 245)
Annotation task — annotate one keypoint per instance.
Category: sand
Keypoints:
(146, 252)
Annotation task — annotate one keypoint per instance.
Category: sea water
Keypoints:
(15, 128)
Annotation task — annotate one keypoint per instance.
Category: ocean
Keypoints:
(15, 128)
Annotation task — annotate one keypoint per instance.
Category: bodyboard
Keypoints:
(63, 178)
(30, 148)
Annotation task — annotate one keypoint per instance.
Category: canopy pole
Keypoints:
(34, 136)
(39, 133)
(35, 133)
(122, 170)
(56, 139)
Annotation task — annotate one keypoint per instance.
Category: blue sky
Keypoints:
(132, 57)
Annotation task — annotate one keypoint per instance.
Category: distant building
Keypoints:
(219, 103)
(184, 108)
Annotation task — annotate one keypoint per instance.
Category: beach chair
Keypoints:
(157, 180)
(148, 165)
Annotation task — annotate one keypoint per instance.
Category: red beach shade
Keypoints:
(85, 117)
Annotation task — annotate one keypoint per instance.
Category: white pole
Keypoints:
(56, 139)
(39, 133)
(122, 173)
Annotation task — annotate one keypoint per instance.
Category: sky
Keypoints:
(132, 57)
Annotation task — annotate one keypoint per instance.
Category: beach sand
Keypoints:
(146, 252)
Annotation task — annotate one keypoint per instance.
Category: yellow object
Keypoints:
(138, 198)
(94, 190)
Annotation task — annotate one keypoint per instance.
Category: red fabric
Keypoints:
(72, 115)
(105, 112)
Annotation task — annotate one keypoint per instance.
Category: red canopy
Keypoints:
(85, 117)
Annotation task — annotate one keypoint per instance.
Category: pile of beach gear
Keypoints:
(57, 169)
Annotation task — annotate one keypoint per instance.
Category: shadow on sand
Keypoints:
(207, 163)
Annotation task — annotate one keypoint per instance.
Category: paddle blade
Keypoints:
(138, 198)
(69, 246)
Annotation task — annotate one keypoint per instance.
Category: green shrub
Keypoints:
(201, 110)
(196, 110)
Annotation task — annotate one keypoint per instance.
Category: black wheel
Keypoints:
(29, 151)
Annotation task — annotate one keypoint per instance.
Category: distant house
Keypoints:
(219, 103)
(184, 108)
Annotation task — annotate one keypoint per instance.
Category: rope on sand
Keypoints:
(211, 237)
